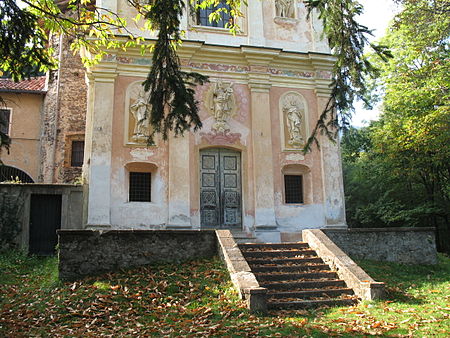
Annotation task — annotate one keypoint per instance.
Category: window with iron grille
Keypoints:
(5, 116)
(77, 155)
(293, 189)
(203, 16)
(140, 187)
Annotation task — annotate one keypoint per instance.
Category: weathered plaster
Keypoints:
(25, 121)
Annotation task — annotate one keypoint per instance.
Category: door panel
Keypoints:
(230, 170)
(45, 219)
(209, 188)
(220, 188)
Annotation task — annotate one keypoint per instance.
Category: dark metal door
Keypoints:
(45, 219)
(220, 188)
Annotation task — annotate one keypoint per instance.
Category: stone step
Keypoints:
(262, 277)
(290, 268)
(273, 246)
(253, 262)
(280, 253)
(308, 294)
(241, 237)
(310, 303)
(302, 285)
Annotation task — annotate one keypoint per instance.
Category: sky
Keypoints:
(377, 14)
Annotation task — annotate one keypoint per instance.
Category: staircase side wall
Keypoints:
(402, 245)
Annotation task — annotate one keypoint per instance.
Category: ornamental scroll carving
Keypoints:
(222, 105)
(293, 108)
(285, 8)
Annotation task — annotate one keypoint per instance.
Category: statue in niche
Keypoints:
(293, 111)
(141, 113)
(222, 105)
(285, 8)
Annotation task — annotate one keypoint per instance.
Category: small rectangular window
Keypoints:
(77, 155)
(293, 189)
(203, 16)
(5, 116)
(140, 187)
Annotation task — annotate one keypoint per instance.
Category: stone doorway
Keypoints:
(220, 188)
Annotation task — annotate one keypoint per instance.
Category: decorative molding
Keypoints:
(291, 73)
(221, 138)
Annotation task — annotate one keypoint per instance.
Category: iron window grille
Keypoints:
(140, 187)
(5, 116)
(293, 189)
(203, 16)
(77, 155)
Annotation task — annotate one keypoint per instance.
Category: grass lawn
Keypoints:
(197, 299)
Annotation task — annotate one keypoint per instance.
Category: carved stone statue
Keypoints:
(141, 112)
(293, 110)
(222, 105)
(285, 8)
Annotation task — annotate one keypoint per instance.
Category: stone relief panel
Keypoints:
(293, 109)
(137, 115)
(225, 116)
(221, 104)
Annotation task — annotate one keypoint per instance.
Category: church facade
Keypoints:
(245, 169)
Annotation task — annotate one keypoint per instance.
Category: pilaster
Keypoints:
(179, 178)
(99, 143)
(262, 153)
(333, 185)
(260, 84)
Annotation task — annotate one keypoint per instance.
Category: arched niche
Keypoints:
(136, 115)
(294, 121)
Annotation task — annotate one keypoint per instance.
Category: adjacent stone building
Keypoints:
(21, 111)
(46, 118)
(244, 169)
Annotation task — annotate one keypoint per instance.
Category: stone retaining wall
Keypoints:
(90, 252)
(403, 245)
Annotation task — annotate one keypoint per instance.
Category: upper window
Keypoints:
(203, 16)
(140, 187)
(293, 189)
(5, 116)
(77, 155)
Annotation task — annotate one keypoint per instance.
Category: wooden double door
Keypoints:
(45, 220)
(220, 188)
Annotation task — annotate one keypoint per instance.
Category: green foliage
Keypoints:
(11, 208)
(197, 299)
(23, 42)
(397, 171)
(173, 105)
(347, 39)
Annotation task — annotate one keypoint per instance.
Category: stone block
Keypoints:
(256, 299)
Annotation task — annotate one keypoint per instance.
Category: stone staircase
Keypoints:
(295, 276)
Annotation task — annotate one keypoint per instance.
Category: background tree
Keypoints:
(400, 174)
